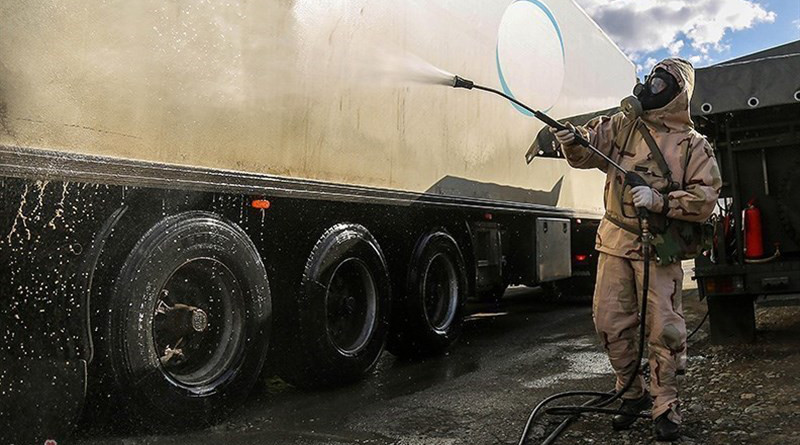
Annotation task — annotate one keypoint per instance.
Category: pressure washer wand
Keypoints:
(460, 82)
(631, 178)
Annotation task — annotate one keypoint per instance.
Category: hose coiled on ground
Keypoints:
(601, 399)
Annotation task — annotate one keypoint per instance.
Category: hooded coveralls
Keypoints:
(620, 266)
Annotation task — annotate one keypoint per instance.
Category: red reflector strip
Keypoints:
(262, 204)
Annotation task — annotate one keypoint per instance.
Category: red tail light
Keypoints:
(724, 285)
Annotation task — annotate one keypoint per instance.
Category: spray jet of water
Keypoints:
(408, 68)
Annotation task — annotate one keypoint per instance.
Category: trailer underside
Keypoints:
(80, 242)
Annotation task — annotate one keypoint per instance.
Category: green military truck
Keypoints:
(749, 108)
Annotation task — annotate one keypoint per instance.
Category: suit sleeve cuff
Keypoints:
(663, 199)
(658, 201)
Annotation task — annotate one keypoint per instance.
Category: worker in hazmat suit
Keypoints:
(660, 144)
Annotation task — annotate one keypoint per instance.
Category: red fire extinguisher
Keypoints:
(753, 238)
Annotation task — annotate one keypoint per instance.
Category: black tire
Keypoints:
(427, 313)
(224, 334)
(343, 310)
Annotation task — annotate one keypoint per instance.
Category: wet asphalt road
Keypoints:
(509, 357)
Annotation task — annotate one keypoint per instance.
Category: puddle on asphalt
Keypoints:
(581, 364)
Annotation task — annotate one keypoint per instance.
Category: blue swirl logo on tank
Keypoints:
(529, 36)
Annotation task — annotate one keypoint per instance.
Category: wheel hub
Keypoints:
(440, 287)
(199, 320)
(182, 319)
(351, 306)
(195, 324)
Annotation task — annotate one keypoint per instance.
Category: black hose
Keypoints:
(564, 424)
(549, 121)
(697, 328)
(602, 399)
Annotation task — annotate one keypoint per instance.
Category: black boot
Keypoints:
(631, 407)
(665, 429)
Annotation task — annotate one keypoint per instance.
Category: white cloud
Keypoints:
(675, 47)
(649, 64)
(644, 26)
(797, 23)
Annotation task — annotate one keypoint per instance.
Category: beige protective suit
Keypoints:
(619, 272)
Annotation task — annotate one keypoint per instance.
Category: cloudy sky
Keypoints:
(702, 31)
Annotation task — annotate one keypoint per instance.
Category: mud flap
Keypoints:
(732, 318)
(41, 400)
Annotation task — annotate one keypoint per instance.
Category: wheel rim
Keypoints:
(351, 306)
(440, 287)
(198, 322)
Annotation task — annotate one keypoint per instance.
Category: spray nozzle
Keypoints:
(460, 82)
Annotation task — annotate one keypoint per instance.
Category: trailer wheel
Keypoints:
(342, 310)
(427, 313)
(188, 328)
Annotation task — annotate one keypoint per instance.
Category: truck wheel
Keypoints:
(427, 313)
(188, 328)
(732, 318)
(342, 310)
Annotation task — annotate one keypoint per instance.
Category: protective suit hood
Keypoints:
(675, 116)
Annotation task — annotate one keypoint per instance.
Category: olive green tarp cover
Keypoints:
(763, 79)
(771, 76)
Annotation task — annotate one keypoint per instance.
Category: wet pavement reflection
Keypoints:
(510, 355)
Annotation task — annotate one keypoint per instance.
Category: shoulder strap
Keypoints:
(689, 153)
(624, 135)
(656, 152)
(626, 227)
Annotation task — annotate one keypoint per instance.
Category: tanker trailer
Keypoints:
(192, 190)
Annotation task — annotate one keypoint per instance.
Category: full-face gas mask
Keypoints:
(658, 89)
